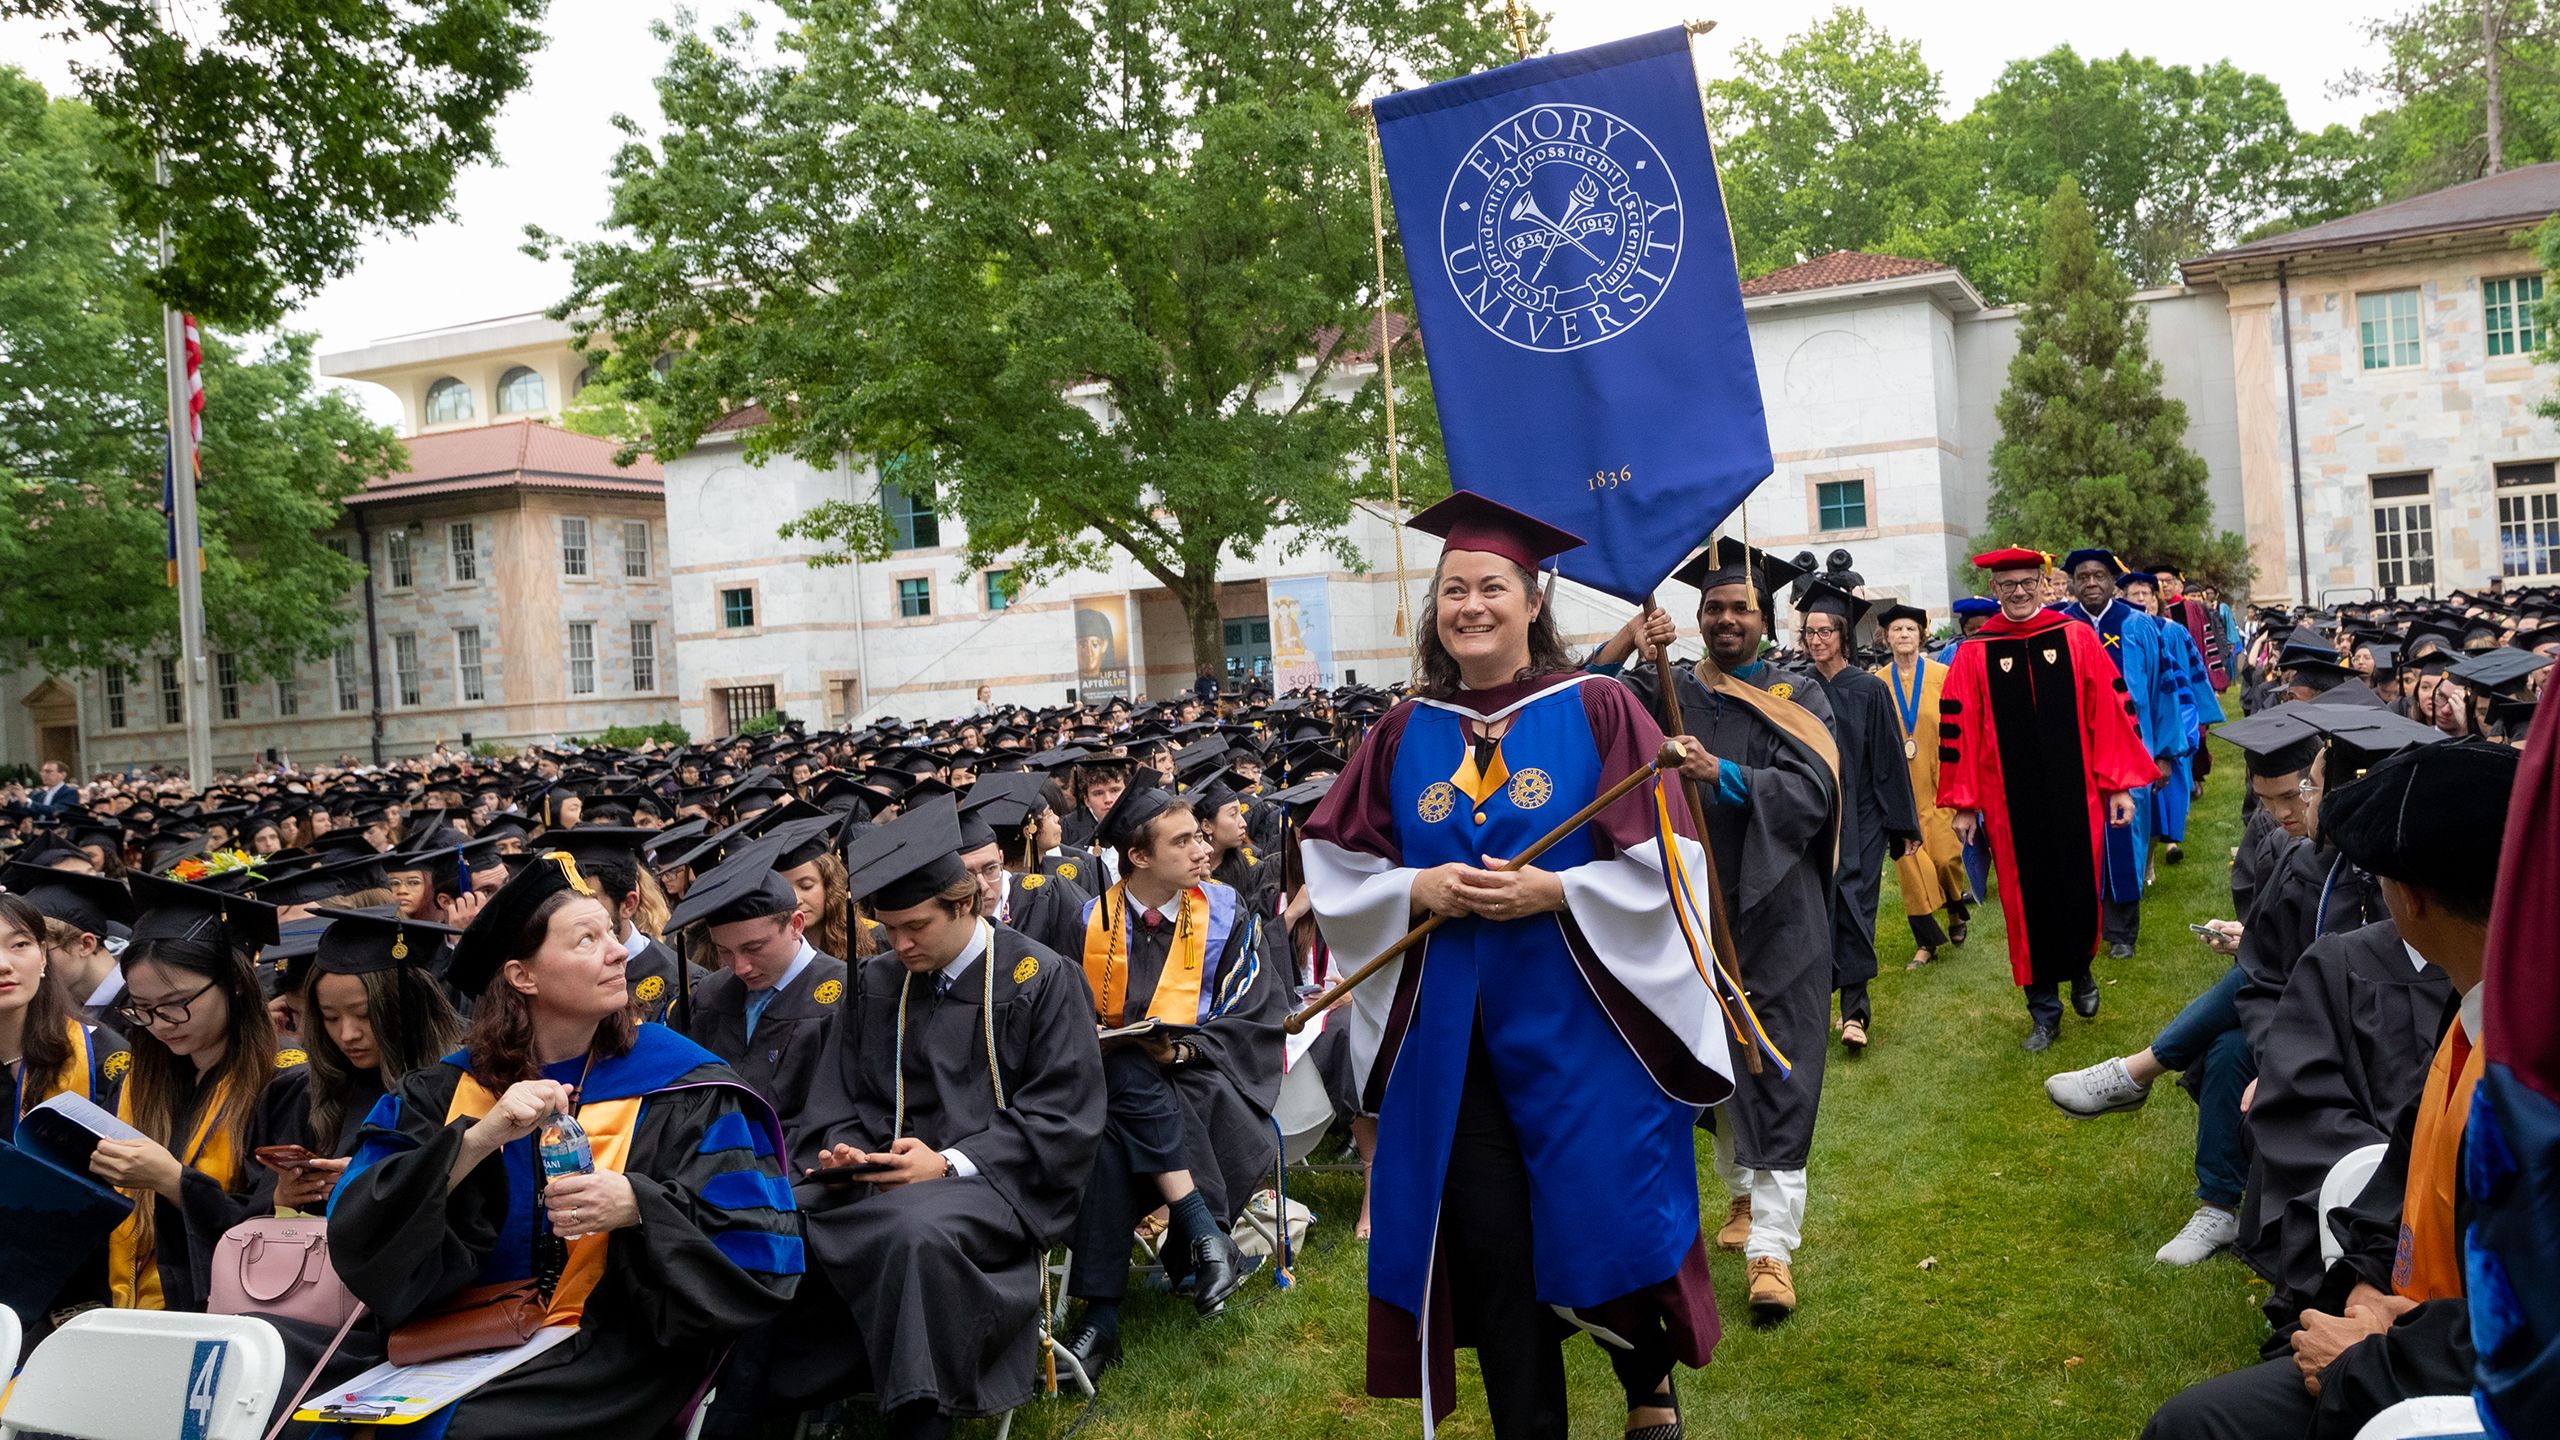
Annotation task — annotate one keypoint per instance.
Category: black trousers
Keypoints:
(1491, 1267)
(1854, 1004)
(1143, 1134)
(2123, 920)
(2266, 1401)
(2044, 1001)
(1926, 930)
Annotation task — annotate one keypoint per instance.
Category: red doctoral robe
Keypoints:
(2034, 727)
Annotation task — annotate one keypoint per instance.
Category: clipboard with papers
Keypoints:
(391, 1394)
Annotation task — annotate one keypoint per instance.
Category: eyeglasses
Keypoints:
(173, 1013)
(2019, 586)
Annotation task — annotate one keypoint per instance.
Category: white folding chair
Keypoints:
(2345, 1182)
(149, 1375)
(2427, 1417)
(11, 1337)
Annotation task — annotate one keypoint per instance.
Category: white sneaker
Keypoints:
(2209, 1230)
(2102, 1089)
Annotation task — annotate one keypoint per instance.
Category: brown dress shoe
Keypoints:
(1773, 1291)
(1737, 1225)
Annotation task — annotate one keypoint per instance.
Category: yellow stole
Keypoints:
(133, 1251)
(609, 1124)
(1106, 965)
(73, 1078)
(1789, 717)
(2428, 1265)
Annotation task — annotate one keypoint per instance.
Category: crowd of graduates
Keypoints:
(865, 1027)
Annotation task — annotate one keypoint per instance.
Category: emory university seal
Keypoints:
(1561, 228)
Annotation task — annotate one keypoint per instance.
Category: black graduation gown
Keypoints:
(1076, 863)
(1046, 908)
(2313, 892)
(2347, 1050)
(705, 1175)
(941, 1280)
(186, 1231)
(1876, 809)
(1773, 858)
(1226, 1095)
(2262, 848)
(791, 1034)
(656, 972)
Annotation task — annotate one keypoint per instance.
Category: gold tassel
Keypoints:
(1387, 372)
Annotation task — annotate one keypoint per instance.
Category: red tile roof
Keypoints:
(513, 452)
(745, 417)
(2509, 200)
(1398, 326)
(1840, 267)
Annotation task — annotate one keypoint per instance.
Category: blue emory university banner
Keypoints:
(1574, 279)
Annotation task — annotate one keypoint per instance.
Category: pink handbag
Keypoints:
(278, 1266)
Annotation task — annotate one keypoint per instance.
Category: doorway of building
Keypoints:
(1248, 647)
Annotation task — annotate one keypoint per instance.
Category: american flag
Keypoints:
(195, 446)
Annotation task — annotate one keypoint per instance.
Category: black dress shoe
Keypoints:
(2084, 1000)
(1216, 1270)
(1093, 1350)
(2040, 1038)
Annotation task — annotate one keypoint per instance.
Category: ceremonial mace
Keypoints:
(1667, 759)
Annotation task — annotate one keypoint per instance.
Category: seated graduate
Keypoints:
(1190, 1105)
(90, 909)
(684, 1235)
(767, 1009)
(2389, 1320)
(373, 1012)
(964, 1082)
(58, 1053)
(609, 856)
(207, 1086)
(1002, 820)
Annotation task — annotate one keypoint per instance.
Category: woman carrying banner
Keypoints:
(1554, 1041)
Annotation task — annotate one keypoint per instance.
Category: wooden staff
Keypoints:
(1719, 930)
(1667, 759)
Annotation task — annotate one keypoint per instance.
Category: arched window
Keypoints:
(448, 400)
(520, 392)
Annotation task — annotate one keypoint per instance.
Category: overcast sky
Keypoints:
(554, 141)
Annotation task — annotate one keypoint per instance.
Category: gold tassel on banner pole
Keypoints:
(1387, 369)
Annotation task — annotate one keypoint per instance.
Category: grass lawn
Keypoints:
(1975, 1264)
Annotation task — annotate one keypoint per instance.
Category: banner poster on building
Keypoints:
(1301, 633)
(1106, 647)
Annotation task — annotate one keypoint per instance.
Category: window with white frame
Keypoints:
(226, 684)
(173, 697)
(644, 655)
(582, 657)
(466, 663)
(342, 671)
(114, 678)
(464, 546)
(2387, 324)
(395, 554)
(635, 549)
(2404, 532)
(573, 545)
(2528, 520)
(404, 668)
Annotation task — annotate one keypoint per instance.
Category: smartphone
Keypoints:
(2204, 929)
(283, 1157)
(847, 1174)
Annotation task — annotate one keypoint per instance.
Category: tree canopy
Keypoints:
(82, 400)
(1057, 264)
(292, 128)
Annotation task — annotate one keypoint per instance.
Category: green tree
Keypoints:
(2470, 87)
(2172, 162)
(2090, 452)
(1057, 263)
(292, 128)
(82, 540)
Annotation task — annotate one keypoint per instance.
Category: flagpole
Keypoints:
(193, 668)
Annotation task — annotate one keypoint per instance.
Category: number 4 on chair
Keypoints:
(204, 1377)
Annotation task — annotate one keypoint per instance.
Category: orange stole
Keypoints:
(2428, 1264)
(133, 1251)
(1106, 964)
(609, 1124)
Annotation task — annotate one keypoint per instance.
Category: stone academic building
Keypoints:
(2364, 394)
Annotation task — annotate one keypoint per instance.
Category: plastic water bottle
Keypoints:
(564, 1146)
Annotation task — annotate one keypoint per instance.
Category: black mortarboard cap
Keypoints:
(174, 910)
(1004, 802)
(742, 887)
(1141, 802)
(1830, 599)
(361, 942)
(98, 905)
(323, 882)
(909, 860)
(2275, 741)
(1902, 611)
(1730, 562)
(481, 950)
(2498, 671)
(2430, 815)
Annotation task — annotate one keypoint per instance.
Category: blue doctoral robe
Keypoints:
(2202, 709)
(2155, 681)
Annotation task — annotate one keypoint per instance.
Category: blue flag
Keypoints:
(1574, 279)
